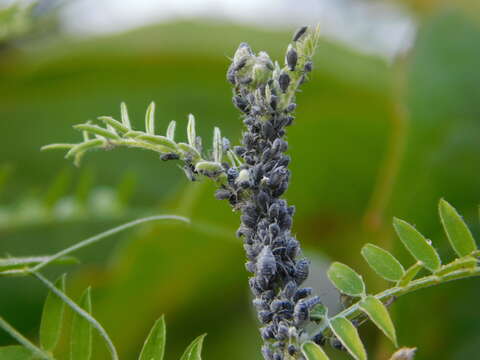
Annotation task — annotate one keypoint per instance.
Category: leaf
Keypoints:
(150, 119)
(97, 130)
(410, 274)
(81, 336)
(348, 336)
(313, 352)
(154, 347)
(217, 145)
(191, 134)
(346, 279)
(382, 262)
(378, 313)
(194, 350)
(125, 117)
(417, 245)
(15, 352)
(404, 354)
(52, 317)
(118, 126)
(457, 231)
(171, 130)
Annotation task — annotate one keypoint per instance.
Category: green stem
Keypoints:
(103, 235)
(80, 312)
(354, 311)
(23, 340)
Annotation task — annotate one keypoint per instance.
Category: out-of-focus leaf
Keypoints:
(194, 350)
(348, 336)
(15, 352)
(81, 335)
(382, 262)
(52, 317)
(457, 231)
(346, 279)
(25, 262)
(154, 347)
(417, 245)
(378, 313)
(313, 352)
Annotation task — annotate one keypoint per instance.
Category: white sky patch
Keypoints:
(379, 28)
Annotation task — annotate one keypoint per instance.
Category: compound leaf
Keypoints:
(378, 313)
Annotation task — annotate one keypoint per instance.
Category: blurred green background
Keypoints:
(374, 137)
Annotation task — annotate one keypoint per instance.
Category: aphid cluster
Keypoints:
(265, 95)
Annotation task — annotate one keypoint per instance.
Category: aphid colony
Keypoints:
(264, 93)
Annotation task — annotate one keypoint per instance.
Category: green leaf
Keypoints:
(194, 350)
(417, 245)
(191, 134)
(410, 274)
(171, 130)
(150, 119)
(457, 231)
(313, 352)
(378, 313)
(97, 130)
(154, 347)
(348, 336)
(346, 279)
(118, 126)
(15, 352)
(81, 336)
(382, 262)
(52, 317)
(124, 114)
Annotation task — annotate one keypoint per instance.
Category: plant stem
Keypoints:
(80, 312)
(24, 341)
(425, 282)
(98, 237)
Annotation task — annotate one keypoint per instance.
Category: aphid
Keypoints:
(290, 289)
(267, 352)
(169, 156)
(260, 304)
(240, 103)
(301, 270)
(278, 356)
(250, 266)
(223, 194)
(319, 339)
(299, 33)
(312, 302)
(274, 230)
(279, 305)
(291, 107)
(231, 75)
(240, 64)
(336, 344)
(249, 221)
(292, 349)
(302, 293)
(282, 331)
(291, 58)
(265, 316)
(301, 312)
(266, 263)
(267, 332)
(284, 81)
(308, 66)
(292, 248)
(263, 200)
